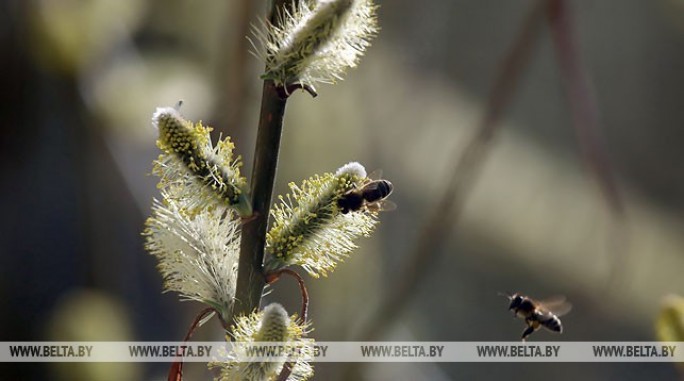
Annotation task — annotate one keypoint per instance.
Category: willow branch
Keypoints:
(286, 372)
(250, 280)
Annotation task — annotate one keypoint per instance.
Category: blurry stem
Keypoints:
(585, 115)
(237, 78)
(468, 165)
(250, 280)
(582, 100)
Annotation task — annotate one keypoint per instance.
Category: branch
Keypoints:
(586, 121)
(250, 280)
(286, 372)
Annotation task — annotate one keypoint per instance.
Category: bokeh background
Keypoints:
(81, 79)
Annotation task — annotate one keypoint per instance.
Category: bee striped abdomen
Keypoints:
(382, 189)
(552, 323)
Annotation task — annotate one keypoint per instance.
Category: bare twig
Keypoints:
(274, 276)
(586, 122)
(469, 163)
(287, 90)
(176, 370)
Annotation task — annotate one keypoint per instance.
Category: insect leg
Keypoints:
(528, 331)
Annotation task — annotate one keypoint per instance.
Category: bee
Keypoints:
(539, 313)
(369, 194)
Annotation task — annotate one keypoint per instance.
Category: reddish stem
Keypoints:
(275, 276)
(176, 370)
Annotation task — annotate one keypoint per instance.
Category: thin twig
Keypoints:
(289, 89)
(447, 210)
(176, 370)
(586, 122)
(469, 163)
(274, 276)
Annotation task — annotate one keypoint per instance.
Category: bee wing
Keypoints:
(375, 175)
(387, 205)
(557, 305)
(381, 206)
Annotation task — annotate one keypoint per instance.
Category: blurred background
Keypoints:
(81, 79)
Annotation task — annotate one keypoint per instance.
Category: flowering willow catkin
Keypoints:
(212, 167)
(308, 227)
(271, 325)
(317, 40)
(194, 230)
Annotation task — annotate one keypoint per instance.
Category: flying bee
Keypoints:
(369, 194)
(539, 313)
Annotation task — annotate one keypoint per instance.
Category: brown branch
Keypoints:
(250, 280)
(285, 373)
(586, 122)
